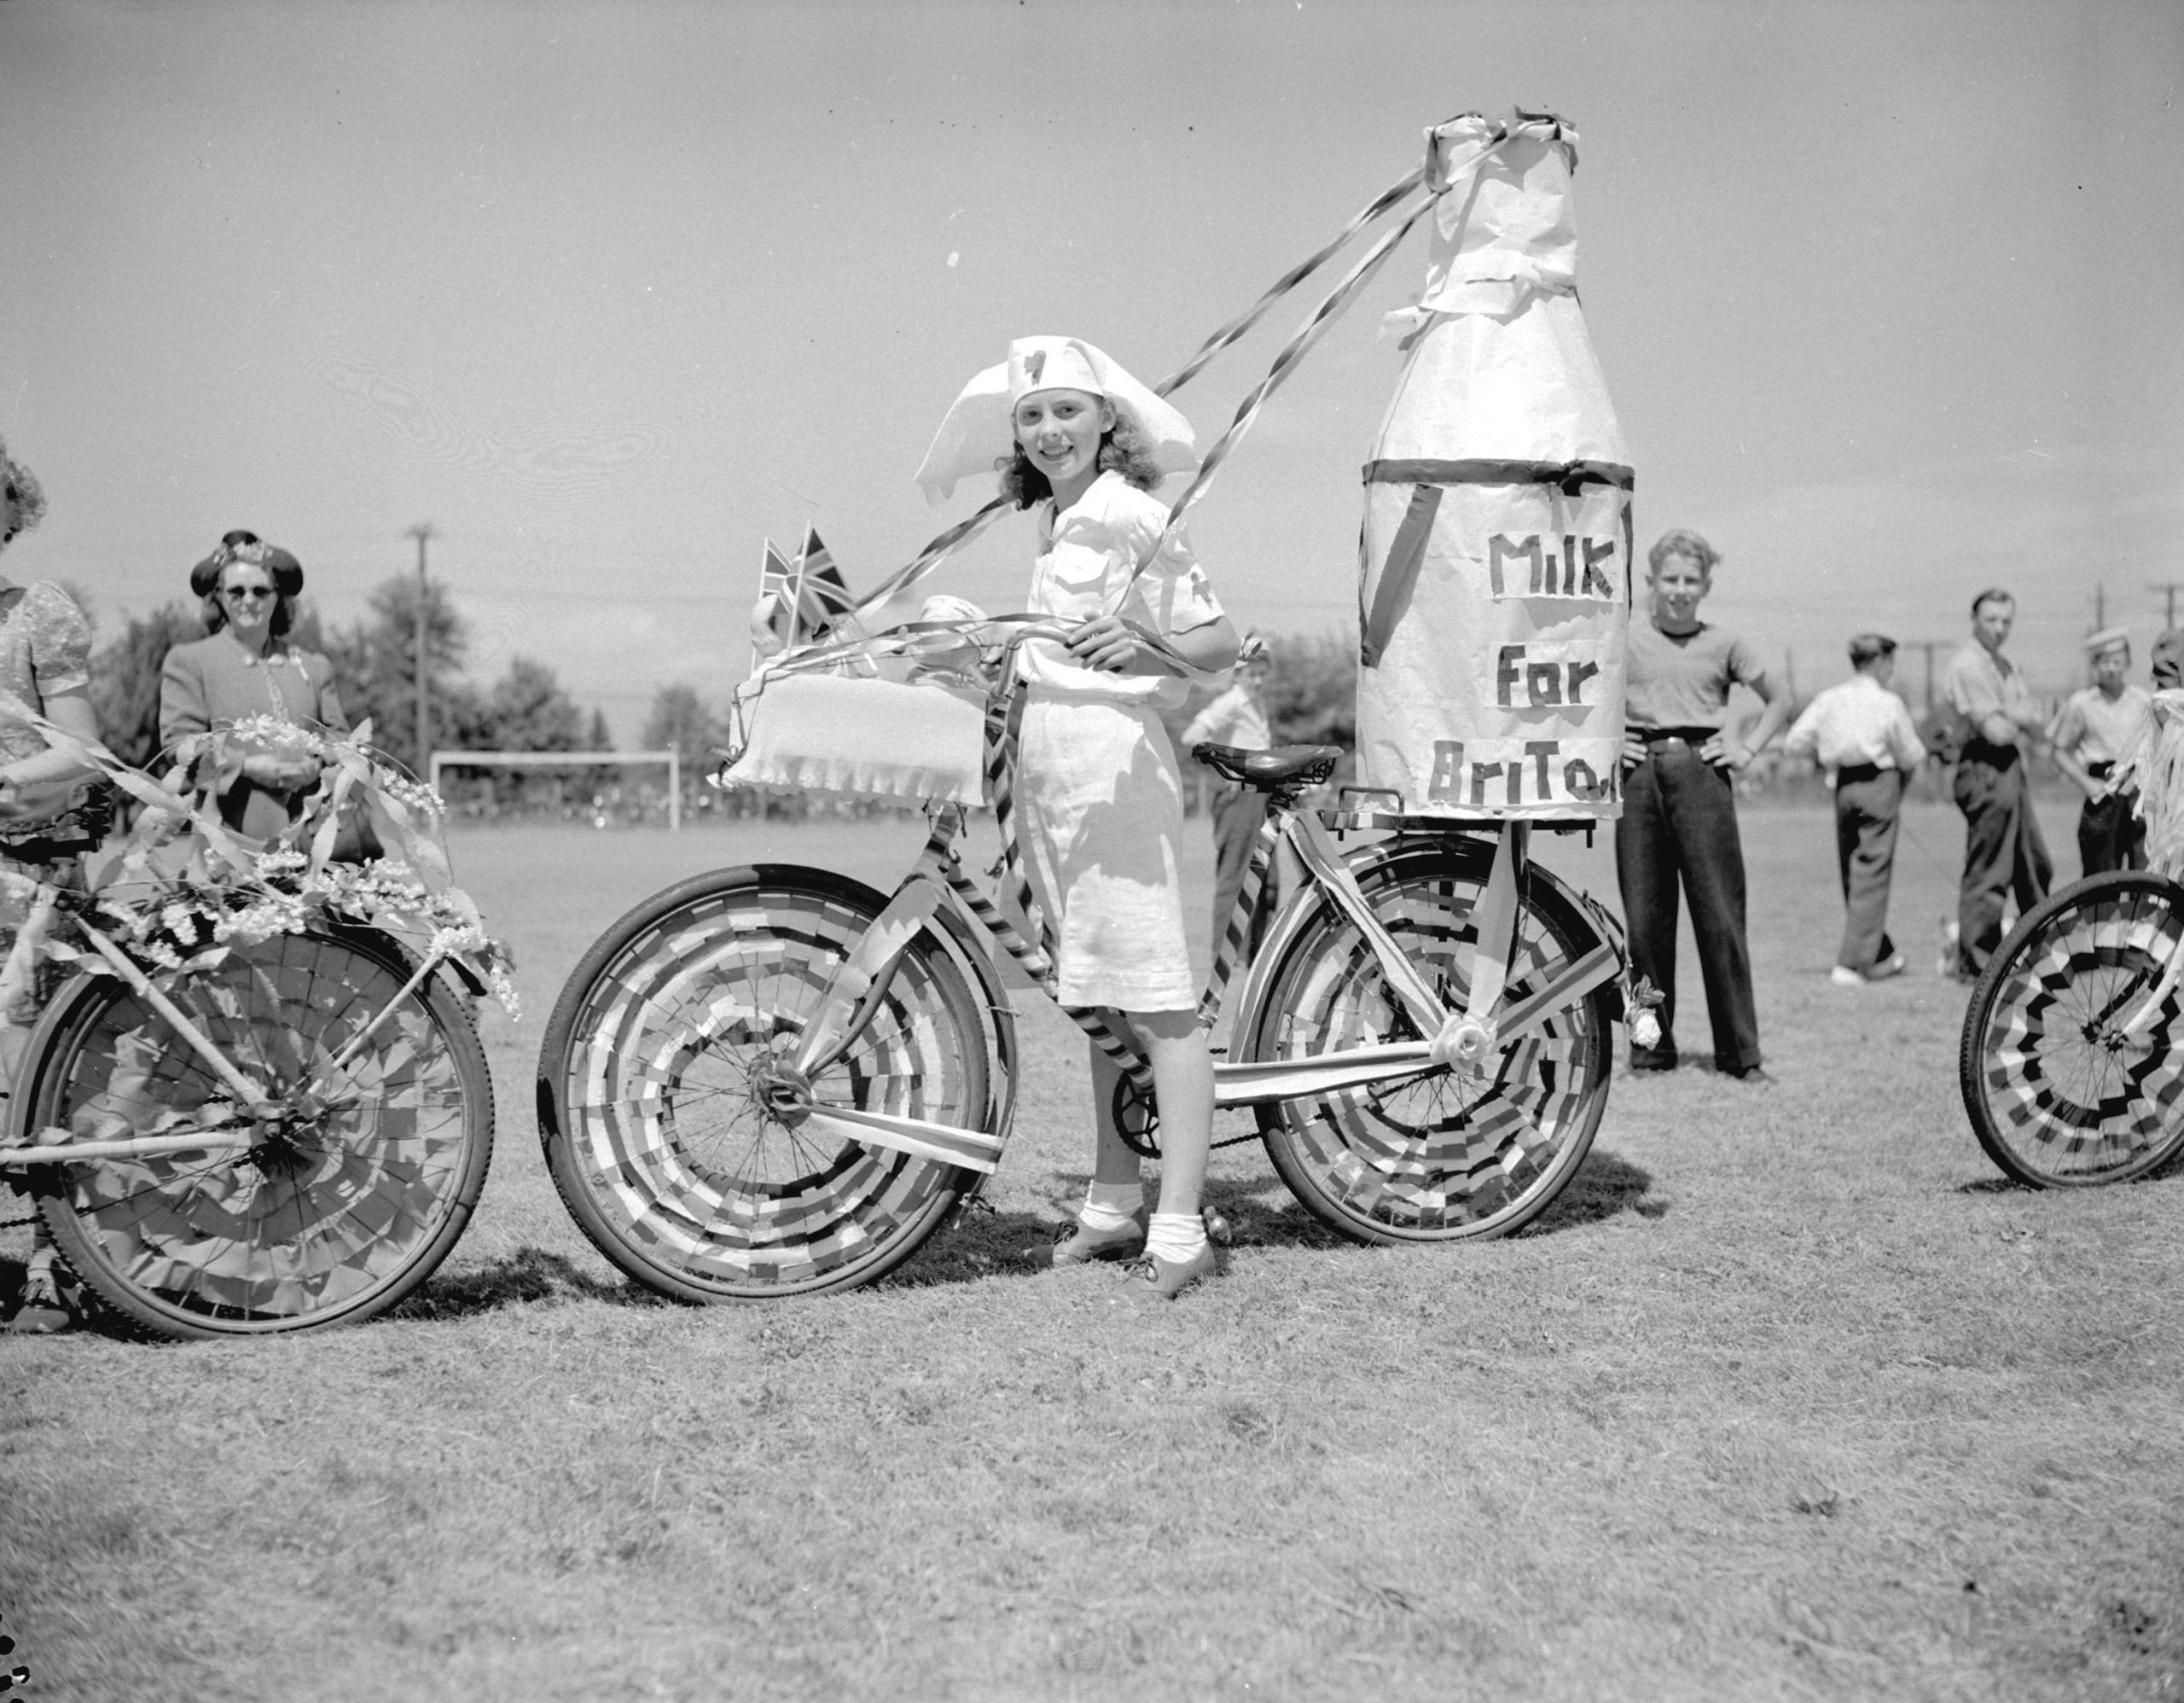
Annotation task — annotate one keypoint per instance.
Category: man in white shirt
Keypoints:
(1861, 734)
(2089, 735)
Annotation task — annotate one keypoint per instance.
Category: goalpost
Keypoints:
(570, 760)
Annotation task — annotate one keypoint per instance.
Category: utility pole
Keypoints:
(1929, 646)
(2168, 589)
(2099, 606)
(421, 531)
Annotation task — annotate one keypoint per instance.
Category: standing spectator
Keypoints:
(2090, 735)
(1862, 735)
(1679, 820)
(2003, 851)
(245, 668)
(47, 819)
(1237, 718)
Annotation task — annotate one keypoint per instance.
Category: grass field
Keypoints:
(1788, 1397)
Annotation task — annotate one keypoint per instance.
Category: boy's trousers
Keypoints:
(2003, 851)
(1868, 801)
(1678, 827)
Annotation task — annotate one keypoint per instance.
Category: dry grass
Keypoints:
(1788, 1397)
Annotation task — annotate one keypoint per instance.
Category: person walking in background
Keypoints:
(1237, 718)
(1679, 821)
(2091, 734)
(2003, 851)
(1862, 735)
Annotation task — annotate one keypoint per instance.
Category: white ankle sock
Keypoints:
(1176, 1236)
(1110, 1206)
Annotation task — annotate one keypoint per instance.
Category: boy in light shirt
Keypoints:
(1861, 734)
(2089, 735)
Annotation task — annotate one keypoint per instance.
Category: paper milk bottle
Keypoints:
(1495, 594)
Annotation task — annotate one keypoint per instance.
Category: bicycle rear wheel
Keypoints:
(1437, 1157)
(651, 1106)
(331, 1215)
(2058, 1096)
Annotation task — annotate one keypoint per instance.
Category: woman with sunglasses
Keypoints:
(48, 817)
(245, 668)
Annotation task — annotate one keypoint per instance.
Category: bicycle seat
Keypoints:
(1281, 765)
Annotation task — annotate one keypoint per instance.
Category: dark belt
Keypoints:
(2101, 771)
(1851, 773)
(1675, 735)
(1994, 756)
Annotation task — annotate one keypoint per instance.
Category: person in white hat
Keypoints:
(2089, 734)
(1098, 792)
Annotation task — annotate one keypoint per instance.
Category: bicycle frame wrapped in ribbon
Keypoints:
(1495, 590)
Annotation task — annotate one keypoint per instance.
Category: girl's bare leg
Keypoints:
(1182, 1077)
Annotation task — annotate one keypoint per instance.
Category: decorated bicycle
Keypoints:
(255, 1100)
(2072, 1059)
(775, 1080)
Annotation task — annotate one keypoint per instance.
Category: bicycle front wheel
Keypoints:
(666, 1147)
(1437, 1157)
(2058, 1095)
(331, 1215)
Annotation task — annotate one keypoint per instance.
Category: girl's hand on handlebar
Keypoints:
(1106, 644)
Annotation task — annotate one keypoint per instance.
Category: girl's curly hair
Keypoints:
(23, 490)
(1124, 449)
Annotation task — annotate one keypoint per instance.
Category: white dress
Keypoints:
(1098, 796)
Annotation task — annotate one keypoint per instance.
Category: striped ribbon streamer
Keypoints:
(1287, 281)
(957, 535)
(1240, 922)
(1313, 328)
(1120, 1053)
(1015, 884)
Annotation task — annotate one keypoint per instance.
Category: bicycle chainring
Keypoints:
(1137, 1119)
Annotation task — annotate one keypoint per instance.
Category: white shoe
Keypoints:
(1844, 976)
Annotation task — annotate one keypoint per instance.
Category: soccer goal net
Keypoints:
(568, 761)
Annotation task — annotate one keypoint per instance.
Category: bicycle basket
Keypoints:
(860, 736)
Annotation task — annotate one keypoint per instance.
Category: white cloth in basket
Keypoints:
(869, 737)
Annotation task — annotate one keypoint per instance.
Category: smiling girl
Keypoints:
(1098, 790)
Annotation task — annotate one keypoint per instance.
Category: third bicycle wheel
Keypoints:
(2058, 1094)
(338, 1209)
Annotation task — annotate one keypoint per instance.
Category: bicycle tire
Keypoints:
(669, 1162)
(330, 1220)
(2058, 1097)
(1436, 1157)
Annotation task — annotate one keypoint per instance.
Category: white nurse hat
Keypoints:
(977, 432)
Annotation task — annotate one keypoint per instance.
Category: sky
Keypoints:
(1887, 296)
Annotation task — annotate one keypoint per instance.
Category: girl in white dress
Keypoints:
(1098, 796)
